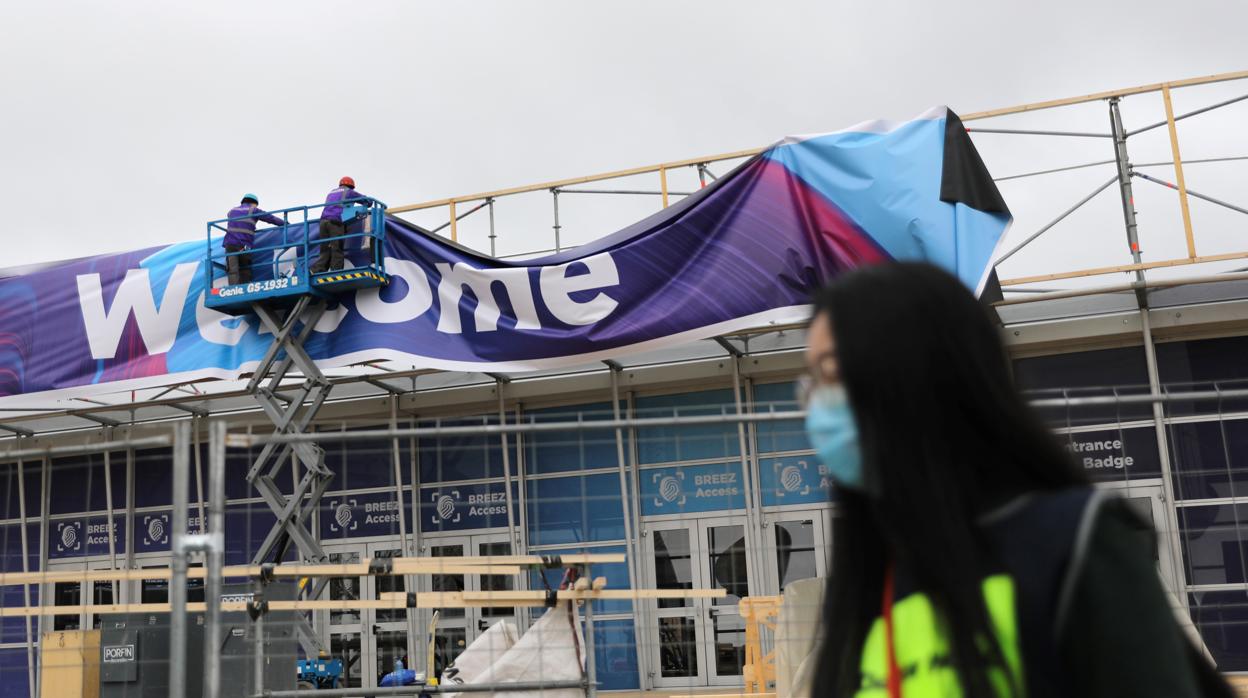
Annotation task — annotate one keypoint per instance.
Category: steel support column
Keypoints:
(1123, 164)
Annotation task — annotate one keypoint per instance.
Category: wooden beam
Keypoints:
(1178, 172)
(561, 183)
(1123, 268)
(389, 600)
(1098, 96)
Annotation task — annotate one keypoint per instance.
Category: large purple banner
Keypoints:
(744, 252)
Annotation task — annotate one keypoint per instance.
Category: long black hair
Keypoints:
(945, 437)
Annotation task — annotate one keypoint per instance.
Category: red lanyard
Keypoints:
(894, 673)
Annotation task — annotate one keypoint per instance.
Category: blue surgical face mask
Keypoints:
(833, 433)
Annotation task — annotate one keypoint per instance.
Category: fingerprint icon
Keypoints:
(446, 507)
(669, 488)
(791, 478)
(69, 536)
(342, 514)
(156, 529)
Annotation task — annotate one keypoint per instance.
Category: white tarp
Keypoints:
(552, 650)
(489, 647)
(798, 636)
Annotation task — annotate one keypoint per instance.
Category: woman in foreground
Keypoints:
(970, 557)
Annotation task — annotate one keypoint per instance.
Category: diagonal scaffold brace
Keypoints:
(291, 410)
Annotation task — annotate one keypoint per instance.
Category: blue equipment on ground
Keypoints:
(401, 676)
(281, 257)
(321, 673)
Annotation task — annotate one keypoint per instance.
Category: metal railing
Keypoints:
(292, 243)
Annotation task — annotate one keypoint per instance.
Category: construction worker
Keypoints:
(334, 224)
(240, 235)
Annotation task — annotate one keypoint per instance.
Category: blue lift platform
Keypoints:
(282, 258)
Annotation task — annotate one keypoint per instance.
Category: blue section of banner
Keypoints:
(360, 515)
(692, 488)
(84, 536)
(793, 480)
(467, 506)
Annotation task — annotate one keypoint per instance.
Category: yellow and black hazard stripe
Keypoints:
(348, 276)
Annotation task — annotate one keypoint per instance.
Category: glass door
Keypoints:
(99, 593)
(795, 545)
(697, 554)
(671, 559)
(344, 630)
(1148, 503)
(724, 560)
(458, 627)
(388, 640)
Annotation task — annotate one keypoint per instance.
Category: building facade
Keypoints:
(746, 508)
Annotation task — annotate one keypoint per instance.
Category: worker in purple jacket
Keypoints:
(240, 235)
(334, 224)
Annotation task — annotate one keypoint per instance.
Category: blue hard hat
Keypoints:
(253, 197)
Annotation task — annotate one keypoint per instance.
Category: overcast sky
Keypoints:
(128, 124)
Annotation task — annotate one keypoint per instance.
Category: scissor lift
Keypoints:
(289, 300)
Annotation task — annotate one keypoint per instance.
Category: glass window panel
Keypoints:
(615, 652)
(1210, 458)
(463, 457)
(575, 509)
(77, 484)
(1222, 618)
(678, 647)
(616, 574)
(795, 551)
(13, 672)
(1203, 364)
(447, 644)
(11, 547)
(448, 582)
(14, 629)
(362, 464)
(789, 435)
(10, 502)
(564, 451)
(344, 589)
(496, 582)
(1213, 540)
(391, 646)
(346, 646)
(728, 644)
(1086, 373)
(67, 594)
(726, 560)
(673, 564)
(389, 584)
(157, 590)
(670, 444)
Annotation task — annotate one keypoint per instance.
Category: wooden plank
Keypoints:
(1124, 268)
(1178, 172)
(401, 566)
(1098, 96)
(389, 600)
(559, 183)
(573, 559)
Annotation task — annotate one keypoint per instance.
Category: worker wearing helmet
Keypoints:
(240, 236)
(334, 221)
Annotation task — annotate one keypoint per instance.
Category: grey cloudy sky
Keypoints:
(129, 124)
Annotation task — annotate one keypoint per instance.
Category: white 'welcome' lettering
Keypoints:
(157, 327)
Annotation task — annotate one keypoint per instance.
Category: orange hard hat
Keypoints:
(346, 182)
